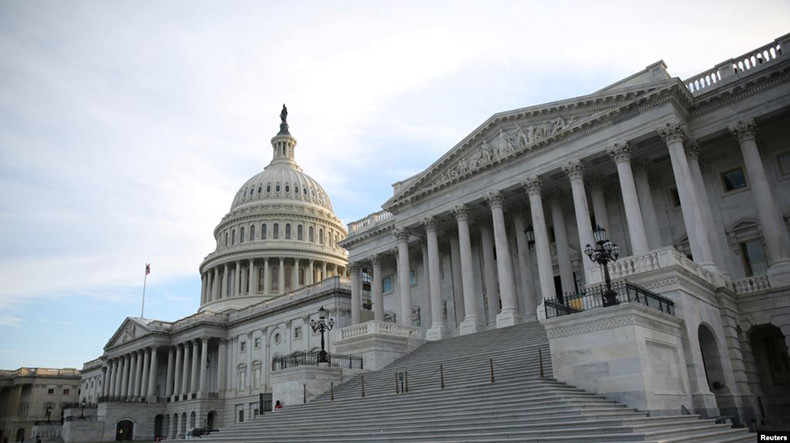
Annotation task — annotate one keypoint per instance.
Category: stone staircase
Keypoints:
(518, 406)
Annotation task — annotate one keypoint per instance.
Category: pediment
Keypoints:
(526, 131)
(131, 329)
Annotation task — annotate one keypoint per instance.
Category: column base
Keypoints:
(510, 317)
(437, 331)
(779, 273)
(471, 325)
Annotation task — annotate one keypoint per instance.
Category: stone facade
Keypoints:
(689, 178)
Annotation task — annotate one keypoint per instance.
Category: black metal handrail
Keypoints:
(592, 298)
(311, 359)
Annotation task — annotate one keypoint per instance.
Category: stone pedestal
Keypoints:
(293, 386)
(629, 353)
(378, 343)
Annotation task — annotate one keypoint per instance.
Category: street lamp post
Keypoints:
(321, 326)
(82, 415)
(603, 254)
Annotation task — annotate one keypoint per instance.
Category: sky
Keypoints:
(126, 127)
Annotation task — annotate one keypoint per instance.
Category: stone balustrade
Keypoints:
(735, 68)
(377, 327)
(368, 222)
(750, 285)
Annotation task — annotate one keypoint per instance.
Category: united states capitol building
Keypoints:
(690, 178)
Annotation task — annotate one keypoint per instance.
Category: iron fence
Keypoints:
(311, 359)
(593, 298)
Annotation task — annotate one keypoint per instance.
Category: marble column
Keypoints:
(105, 385)
(169, 376)
(489, 274)
(532, 186)
(204, 366)
(525, 269)
(215, 285)
(458, 290)
(111, 388)
(185, 370)
(355, 294)
(377, 291)
(776, 239)
(323, 273)
(133, 371)
(561, 242)
(253, 278)
(426, 272)
(152, 374)
(310, 273)
(237, 280)
(438, 329)
(621, 154)
(673, 133)
(125, 369)
(225, 282)
(281, 277)
(118, 377)
(404, 280)
(574, 169)
(267, 278)
(195, 362)
(222, 365)
(140, 387)
(508, 315)
(146, 357)
(295, 276)
(178, 371)
(471, 323)
(642, 182)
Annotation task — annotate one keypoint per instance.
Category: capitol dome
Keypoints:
(279, 236)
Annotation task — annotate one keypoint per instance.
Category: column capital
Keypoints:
(532, 185)
(495, 199)
(430, 224)
(355, 268)
(672, 131)
(574, 169)
(401, 234)
(620, 152)
(744, 130)
(375, 259)
(461, 211)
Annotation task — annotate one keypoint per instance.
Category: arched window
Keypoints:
(336, 240)
(263, 231)
(299, 232)
(256, 374)
(310, 236)
(226, 239)
(287, 231)
(288, 279)
(233, 237)
(252, 232)
(276, 231)
(321, 236)
(277, 188)
(242, 377)
(301, 276)
(269, 188)
(259, 189)
(287, 188)
(241, 235)
(275, 279)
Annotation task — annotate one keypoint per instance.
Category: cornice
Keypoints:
(739, 90)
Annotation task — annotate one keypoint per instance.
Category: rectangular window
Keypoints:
(243, 346)
(386, 285)
(66, 392)
(50, 391)
(784, 163)
(256, 377)
(257, 342)
(297, 332)
(753, 257)
(733, 179)
(242, 379)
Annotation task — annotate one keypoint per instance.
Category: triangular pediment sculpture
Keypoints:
(131, 329)
(520, 132)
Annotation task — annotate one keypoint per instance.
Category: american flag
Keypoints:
(147, 268)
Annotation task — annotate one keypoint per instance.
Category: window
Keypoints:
(301, 276)
(297, 333)
(259, 189)
(275, 280)
(674, 198)
(277, 188)
(241, 235)
(257, 342)
(242, 378)
(252, 233)
(256, 376)
(261, 282)
(263, 231)
(288, 279)
(386, 285)
(310, 236)
(233, 237)
(299, 232)
(321, 236)
(276, 231)
(287, 231)
(413, 277)
(243, 346)
(784, 163)
(50, 391)
(733, 179)
(753, 257)
(268, 188)
(226, 239)
(66, 392)
(287, 188)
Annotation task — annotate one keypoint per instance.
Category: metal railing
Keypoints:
(311, 359)
(593, 299)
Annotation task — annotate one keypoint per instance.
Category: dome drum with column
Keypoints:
(280, 235)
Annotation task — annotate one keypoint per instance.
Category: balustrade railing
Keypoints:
(368, 222)
(652, 261)
(311, 359)
(593, 298)
(752, 284)
(378, 327)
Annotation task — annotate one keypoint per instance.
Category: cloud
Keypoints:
(10, 321)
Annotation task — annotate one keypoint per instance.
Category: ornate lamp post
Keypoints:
(322, 325)
(603, 254)
(82, 415)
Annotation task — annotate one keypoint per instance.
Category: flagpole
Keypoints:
(145, 278)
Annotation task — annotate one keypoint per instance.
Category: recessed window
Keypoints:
(259, 189)
(753, 257)
(66, 392)
(226, 239)
(386, 285)
(297, 332)
(50, 391)
(263, 231)
(233, 237)
(287, 231)
(733, 179)
(252, 233)
(268, 188)
(277, 188)
(287, 188)
(241, 235)
(243, 346)
(310, 236)
(784, 163)
(299, 232)
(275, 281)
(277, 338)
(257, 343)
(276, 231)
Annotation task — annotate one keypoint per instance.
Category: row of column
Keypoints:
(234, 279)
(131, 376)
(641, 223)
